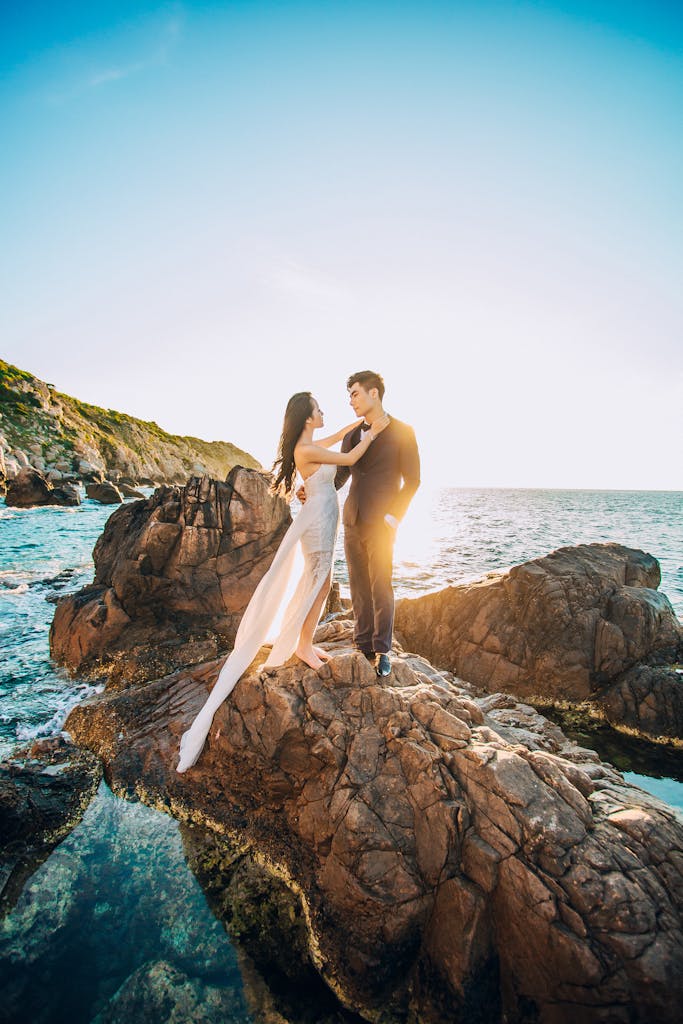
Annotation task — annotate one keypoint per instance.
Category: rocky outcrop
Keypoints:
(106, 493)
(30, 488)
(55, 433)
(130, 492)
(454, 855)
(173, 575)
(577, 625)
(3, 473)
(648, 698)
(44, 791)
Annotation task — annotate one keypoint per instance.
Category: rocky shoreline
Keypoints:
(430, 846)
(584, 624)
(52, 441)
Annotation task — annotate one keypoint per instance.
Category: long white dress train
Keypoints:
(315, 527)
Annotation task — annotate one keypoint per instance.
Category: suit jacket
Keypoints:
(385, 478)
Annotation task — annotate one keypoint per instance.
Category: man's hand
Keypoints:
(301, 494)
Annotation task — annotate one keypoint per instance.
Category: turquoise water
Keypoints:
(114, 918)
(115, 897)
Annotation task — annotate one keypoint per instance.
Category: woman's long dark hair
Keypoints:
(299, 408)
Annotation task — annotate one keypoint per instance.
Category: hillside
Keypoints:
(64, 437)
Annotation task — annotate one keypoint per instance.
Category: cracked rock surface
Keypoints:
(456, 856)
(584, 623)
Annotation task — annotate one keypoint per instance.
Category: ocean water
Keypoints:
(115, 907)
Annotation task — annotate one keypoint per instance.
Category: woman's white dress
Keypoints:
(315, 528)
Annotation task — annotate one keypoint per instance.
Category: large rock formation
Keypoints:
(584, 623)
(30, 488)
(452, 854)
(173, 575)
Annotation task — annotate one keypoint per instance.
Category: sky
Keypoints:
(207, 207)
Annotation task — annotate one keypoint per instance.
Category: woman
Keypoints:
(315, 527)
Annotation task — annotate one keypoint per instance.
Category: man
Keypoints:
(383, 483)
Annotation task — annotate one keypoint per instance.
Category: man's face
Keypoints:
(362, 401)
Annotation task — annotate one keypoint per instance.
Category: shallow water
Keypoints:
(115, 895)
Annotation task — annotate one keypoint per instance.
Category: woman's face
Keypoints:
(317, 415)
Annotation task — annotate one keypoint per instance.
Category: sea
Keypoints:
(114, 914)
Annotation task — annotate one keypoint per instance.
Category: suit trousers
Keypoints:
(369, 551)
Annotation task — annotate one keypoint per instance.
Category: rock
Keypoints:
(29, 488)
(3, 473)
(173, 575)
(646, 698)
(130, 492)
(12, 466)
(158, 991)
(106, 493)
(44, 791)
(90, 472)
(68, 494)
(452, 854)
(569, 626)
(333, 605)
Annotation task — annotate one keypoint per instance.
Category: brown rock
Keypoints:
(441, 861)
(106, 493)
(30, 488)
(173, 575)
(128, 491)
(570, 626)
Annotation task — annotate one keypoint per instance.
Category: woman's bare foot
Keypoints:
(323, 655)
(309, 657)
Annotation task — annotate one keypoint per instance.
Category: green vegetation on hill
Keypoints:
(55, 430)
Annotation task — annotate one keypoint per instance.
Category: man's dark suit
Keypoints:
(383, 481)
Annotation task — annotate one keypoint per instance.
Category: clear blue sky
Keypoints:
(207, 207)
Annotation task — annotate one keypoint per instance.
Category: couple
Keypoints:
(380, 453)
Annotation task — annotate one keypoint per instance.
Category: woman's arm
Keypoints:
(308, 455)
(327, 442)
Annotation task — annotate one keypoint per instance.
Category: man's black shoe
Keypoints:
(383, 666)
(370, 655)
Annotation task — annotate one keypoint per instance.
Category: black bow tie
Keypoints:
(365, 426)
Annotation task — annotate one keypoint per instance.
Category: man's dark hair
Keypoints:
(367, 379)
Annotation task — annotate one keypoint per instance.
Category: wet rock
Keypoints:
(570, 626)
(106, 493)
(30, 488)
(67, 494)
(452, 854)
(158, 991)
(266, 924)
(173, 575)
(44, 791)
